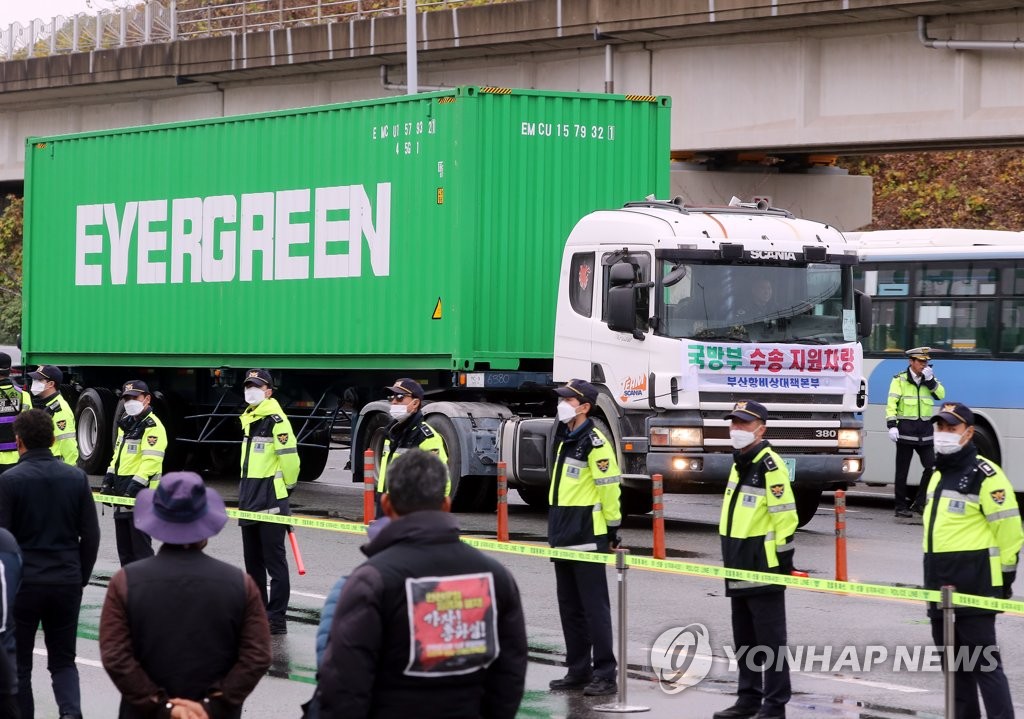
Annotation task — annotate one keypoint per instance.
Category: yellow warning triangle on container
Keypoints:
(437, 310)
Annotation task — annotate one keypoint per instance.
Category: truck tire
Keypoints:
(371, 436)
(312, 460)
(464, 495)
(807, 501)
(536, 497)
(94, 419)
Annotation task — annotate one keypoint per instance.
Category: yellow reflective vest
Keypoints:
(270, 459)
(911, 405)
(758, 518)
(414, 433)
(138, 453)
(584, 492)
(13, 401)
(972, 527)
(65, 444)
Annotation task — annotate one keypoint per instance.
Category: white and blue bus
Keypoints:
(960, 292)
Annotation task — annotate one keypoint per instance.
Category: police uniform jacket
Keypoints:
(65, 442)
(13, 401)
(910, 406)
(411, 433)
(758, 519)
(584, 492)
(270, 459)
(138, 455)
(972, 527)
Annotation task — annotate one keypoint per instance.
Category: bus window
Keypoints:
(958, 326)
(1012, 339)
(889, 326)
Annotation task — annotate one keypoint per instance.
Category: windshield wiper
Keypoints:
(733, 334)
(805, 341)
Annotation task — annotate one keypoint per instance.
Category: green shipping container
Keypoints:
(415, 232)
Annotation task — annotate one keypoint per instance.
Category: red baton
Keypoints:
(295, 550)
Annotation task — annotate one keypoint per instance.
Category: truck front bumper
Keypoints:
(681, 470)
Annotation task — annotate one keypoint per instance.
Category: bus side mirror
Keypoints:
(862, 309)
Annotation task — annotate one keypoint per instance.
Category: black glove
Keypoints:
(1008, 578)
(108, 484)
(786, 562)
(134, 488)
(614, 540)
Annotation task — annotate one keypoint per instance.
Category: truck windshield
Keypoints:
(752, 303)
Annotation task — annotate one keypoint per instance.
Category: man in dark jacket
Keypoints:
(10, 567)
(183, 627)
(427, 625)
(47, 505)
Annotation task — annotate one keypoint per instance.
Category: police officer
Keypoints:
(136, 465)
(584, 515)
(46, 380)
(756, 526)
(270, 468)
(408, 430)
(912, 395)
(13, 401)
(972, 536)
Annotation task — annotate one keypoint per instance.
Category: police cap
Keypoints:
(258, 378)
(919, 353)
(955, 413)
(134, 388)
(746, 410)
(47, 373)
(580, 389)
(406, 387)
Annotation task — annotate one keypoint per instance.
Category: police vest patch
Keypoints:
(152, 440)
(277, 418)
(283, 438)
(595, 440)
(998, 496)
(778, 490)
(603, 464)
(987, 469)
(61, 424)
(769, 463)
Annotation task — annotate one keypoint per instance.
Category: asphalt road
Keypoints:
(881, 550)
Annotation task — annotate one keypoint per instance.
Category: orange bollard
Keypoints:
(840, 507)
(369, 488)
(502, 503)
(658, 511)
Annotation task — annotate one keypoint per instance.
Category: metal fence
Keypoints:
(157, 21)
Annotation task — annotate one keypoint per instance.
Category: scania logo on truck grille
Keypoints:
(771, 255)
(221, 234)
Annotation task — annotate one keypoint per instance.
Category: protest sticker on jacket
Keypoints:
(453, 627)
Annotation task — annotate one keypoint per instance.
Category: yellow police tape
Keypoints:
(662, 565)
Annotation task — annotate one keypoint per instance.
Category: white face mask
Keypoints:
(947, 442)
(254, 395)
(566, 412)
(399, 411)
(133, 407)
(741, 438)
(37, 387)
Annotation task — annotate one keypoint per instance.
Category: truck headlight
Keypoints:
(849, 438)
(677, 437)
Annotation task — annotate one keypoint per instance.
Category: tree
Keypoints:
(11, 234)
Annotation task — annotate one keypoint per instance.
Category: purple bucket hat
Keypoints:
(181, 510)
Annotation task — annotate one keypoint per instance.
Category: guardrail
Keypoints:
(160, 21)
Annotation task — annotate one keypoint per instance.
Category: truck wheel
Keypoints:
(312, 460)
(94, 418)
(807, 501)
(371, 436)
(536, 497)
(635, 501)
(464, 495)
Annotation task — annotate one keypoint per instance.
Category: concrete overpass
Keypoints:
(759, 86)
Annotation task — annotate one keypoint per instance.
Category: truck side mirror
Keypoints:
(622, 299)
(862, 308)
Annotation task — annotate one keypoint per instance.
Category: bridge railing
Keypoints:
(158, 21)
